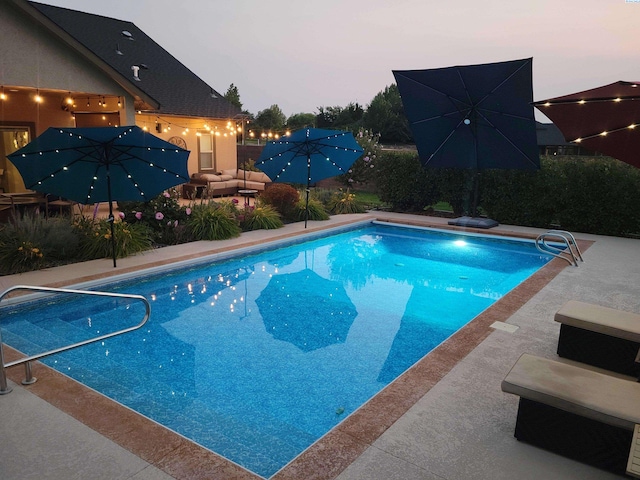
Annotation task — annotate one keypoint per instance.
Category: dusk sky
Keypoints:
(305, 55)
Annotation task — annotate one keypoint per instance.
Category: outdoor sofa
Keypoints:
(225, 182)
(575, 410)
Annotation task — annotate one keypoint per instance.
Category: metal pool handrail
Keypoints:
(571, 253)
(29, 379)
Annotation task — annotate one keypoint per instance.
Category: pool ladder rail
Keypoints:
(29, 378)
(566, 246)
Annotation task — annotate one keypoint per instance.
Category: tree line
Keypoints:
(384, 115)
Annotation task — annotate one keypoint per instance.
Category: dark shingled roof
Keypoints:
(549, 134)
(173, 86)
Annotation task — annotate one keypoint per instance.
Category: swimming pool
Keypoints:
(223, 361)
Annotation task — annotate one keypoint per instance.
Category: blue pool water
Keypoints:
(257, 357)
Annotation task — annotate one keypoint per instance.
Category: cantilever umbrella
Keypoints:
(308, 156)
(102, 164)
(605, 119)
(474, 117)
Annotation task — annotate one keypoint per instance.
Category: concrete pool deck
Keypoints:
(446, 418)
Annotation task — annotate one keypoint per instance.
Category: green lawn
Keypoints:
(369, 200)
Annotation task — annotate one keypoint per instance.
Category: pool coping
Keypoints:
(332, 453)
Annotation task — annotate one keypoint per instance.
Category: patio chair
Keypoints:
(603, 337)
(575, 411)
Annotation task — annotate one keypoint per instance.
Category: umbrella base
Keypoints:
(475, 222)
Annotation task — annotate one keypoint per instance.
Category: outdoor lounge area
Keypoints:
(225, 182)
(447, 418)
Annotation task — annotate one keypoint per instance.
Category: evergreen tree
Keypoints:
(233, 96)
(385, 115)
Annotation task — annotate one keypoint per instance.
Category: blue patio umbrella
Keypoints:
(472, 116)
(308, 156)
(102, 164)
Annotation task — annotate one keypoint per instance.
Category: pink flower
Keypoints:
(139, 215)
(121, 215)
(351, 180)
(166, 195)
(159, 216)
(188, 211)
(235, 200)
(175, 224)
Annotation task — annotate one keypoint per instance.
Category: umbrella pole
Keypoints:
(113, 238)
(111, 219)
(306, 205)
(476, 181)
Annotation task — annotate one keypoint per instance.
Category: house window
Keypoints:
(206, 151)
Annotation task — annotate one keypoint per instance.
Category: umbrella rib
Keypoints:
(123, 153)
(510, 115)
(449, 97)
(453, 130)
(505, 80)
(306, 149)
(424, 120)
(551, 103)
(120, 153)
(464, 85)
(65, 167)
(607, 132)
(507, 139)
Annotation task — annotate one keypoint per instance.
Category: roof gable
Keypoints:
(161, 76)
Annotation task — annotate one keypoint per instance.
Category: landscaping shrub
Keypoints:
(581, 194)
(323, 195)
(163, 215)
(345, 202)
(518, 197)
(283, 198)
(95, 238)
(315, 208)
(262, 216)
(209, 221)
(31, 242)
(403, 183)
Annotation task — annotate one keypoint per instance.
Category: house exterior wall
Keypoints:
(187, 130)
(34, 60)
(31, 56)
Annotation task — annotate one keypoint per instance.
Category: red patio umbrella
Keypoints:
(604, 119)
